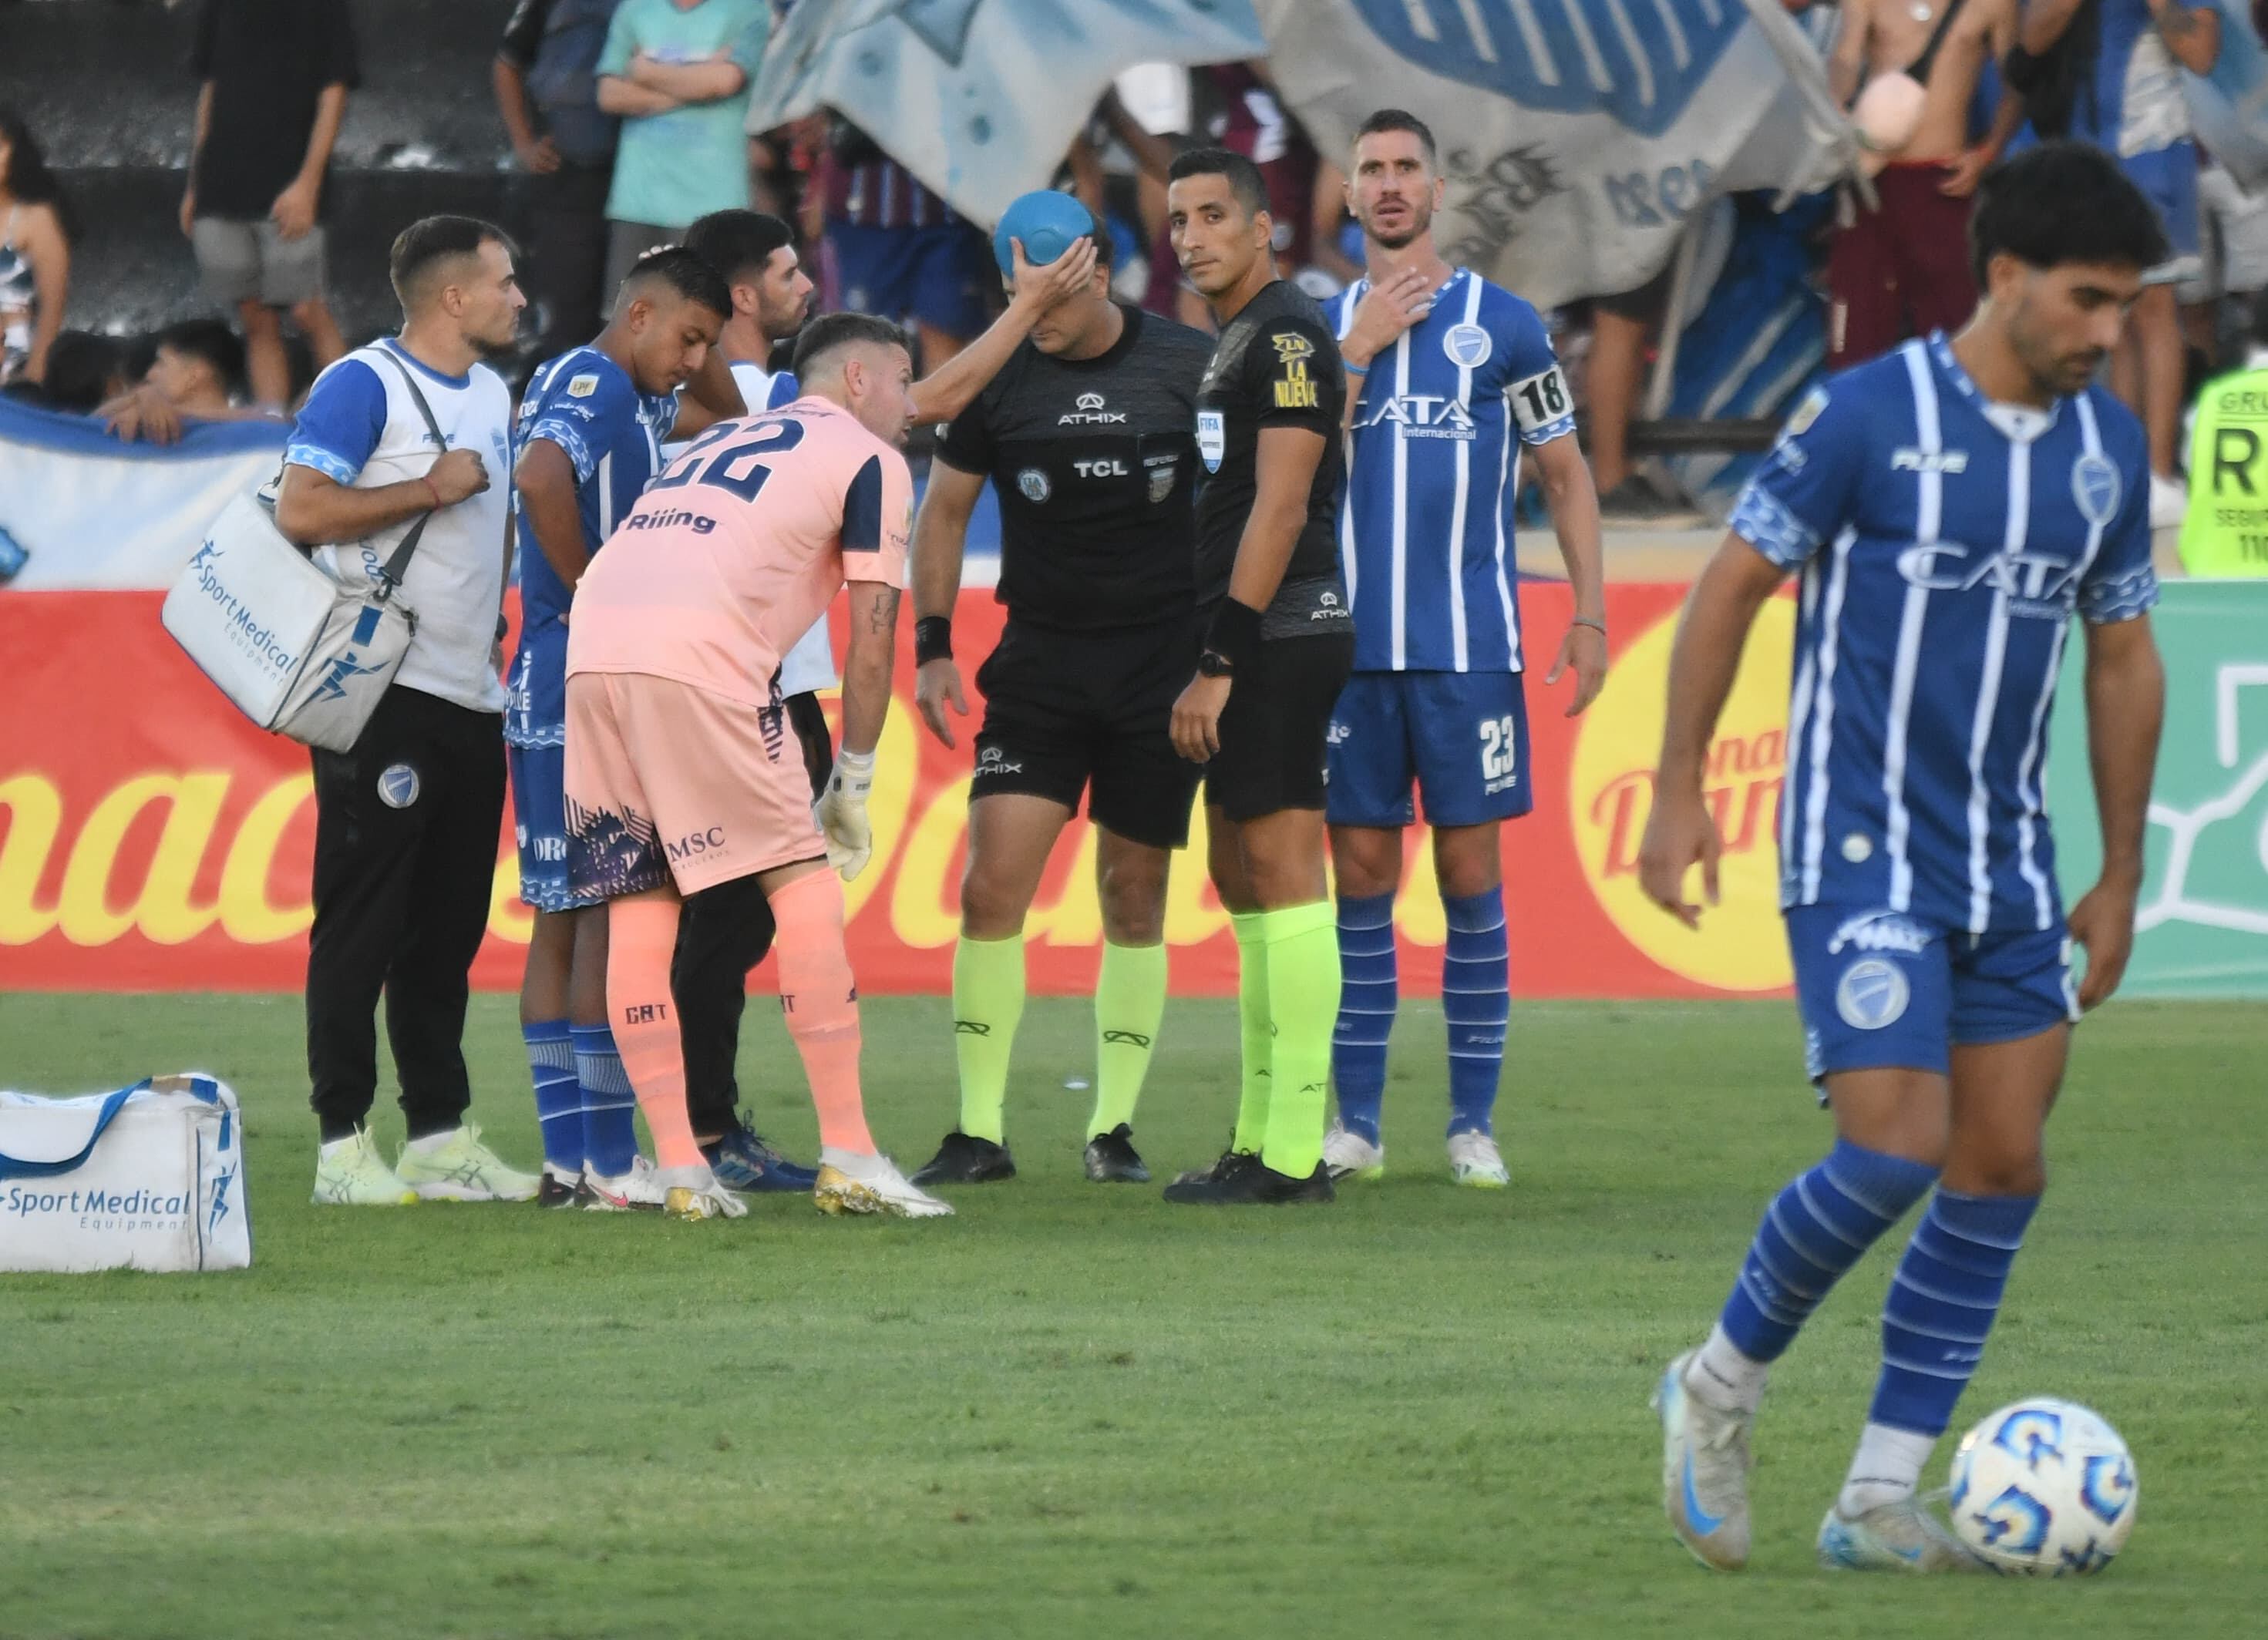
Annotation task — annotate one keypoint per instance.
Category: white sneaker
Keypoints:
(640, 1190)
(1704, 1472)
(460, 1168)
(871, 1184)
(353, 1173)
(2169, 502)
(1474, 1160)
(693, 1194)
(1350, 1156)
(1897, 1536)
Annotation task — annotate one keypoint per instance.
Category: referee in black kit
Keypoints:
(1087, 434)
(1278, 648)
(412, 432)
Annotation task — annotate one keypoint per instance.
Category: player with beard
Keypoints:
(1278, 649)
(1454, 382)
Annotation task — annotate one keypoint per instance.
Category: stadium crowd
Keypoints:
(625, 121)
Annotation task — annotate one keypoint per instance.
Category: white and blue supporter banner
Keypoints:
(980, 99)
(1578, 136)
(88, 510)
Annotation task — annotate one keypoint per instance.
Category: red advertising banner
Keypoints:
(154, 840)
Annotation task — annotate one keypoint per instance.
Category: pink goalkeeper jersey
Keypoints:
(733, 552)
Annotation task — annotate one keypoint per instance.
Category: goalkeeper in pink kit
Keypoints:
(684, 778)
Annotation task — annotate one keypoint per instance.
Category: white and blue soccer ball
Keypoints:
(2044, 1488)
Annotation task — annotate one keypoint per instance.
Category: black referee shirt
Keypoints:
(1277, 364)
(1095, 464)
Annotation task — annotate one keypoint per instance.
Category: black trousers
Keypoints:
(723, 933)
(405, 827)
(566, 213)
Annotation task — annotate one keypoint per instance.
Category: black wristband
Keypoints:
(932, 639)
(1234, 634)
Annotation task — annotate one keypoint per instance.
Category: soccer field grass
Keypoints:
(1072, 1410)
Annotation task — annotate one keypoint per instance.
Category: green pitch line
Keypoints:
(1072, 1410)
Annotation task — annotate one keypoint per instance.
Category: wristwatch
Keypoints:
(1213, 664)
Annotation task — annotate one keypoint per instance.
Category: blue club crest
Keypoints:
(1567, 56)
(2095, 487)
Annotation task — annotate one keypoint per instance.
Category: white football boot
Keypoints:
(852, 1183)
(1350, 1156)
(1900, 1535)
(1704, 1472)
(1476, 1162)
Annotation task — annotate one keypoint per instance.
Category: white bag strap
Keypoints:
(397, 566)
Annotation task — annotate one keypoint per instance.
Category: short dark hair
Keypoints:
(737, 244)
(675, 268)
(431, 240)
(1244, 179)
(213, 342)
(84, 368)
(2062, 202)
(1401, 119)
(831, 333)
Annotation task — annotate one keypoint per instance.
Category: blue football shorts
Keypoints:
(1462, 736)
(1879, 990)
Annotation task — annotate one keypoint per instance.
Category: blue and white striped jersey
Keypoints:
(1944, 544)
(1426, 523)
(586, 404)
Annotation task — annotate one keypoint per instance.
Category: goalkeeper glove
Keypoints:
(841, 813)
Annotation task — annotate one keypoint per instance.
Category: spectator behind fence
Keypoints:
(195, 375)
(2105, 72)
(406, 821)
(547, 91)
(2226, 533)
(895, 250)
(677, 72)
(275, 76)
(36, 233)
(1900, 267)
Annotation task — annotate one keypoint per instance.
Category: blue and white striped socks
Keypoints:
(609, 1107)
(1475, 1003)
(558, 1101)
(1815, 1229)
(1369, 993)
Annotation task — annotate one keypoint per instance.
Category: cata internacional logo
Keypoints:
(1638, 59)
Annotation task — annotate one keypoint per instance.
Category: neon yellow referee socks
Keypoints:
(1130, 1000)
(1303, 1004)
(988, 1000)
(1252, 1014)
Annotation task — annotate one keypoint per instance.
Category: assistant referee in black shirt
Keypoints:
(1278, 647)
(1085, 433)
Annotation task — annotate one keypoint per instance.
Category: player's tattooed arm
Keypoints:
(1680, 833)
(951, 388)
(2125, 711)
(866, 666)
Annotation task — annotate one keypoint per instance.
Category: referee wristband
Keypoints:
(1234, 633)
(932, 639)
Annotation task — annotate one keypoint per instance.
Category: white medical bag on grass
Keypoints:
(150, 1178)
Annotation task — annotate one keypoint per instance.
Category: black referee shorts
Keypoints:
(1275, 728)
(1071, 711)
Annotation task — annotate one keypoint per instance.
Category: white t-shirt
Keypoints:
(810, 665)
(360, 427)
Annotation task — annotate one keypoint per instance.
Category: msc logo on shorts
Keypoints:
(1872, 994)
(397, 786)
(695, 842)
(1880, 931)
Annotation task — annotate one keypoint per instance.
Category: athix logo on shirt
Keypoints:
(1091, 413)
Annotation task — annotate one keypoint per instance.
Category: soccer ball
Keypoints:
(2043, 1488)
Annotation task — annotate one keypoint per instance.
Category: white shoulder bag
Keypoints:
(298, 652)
